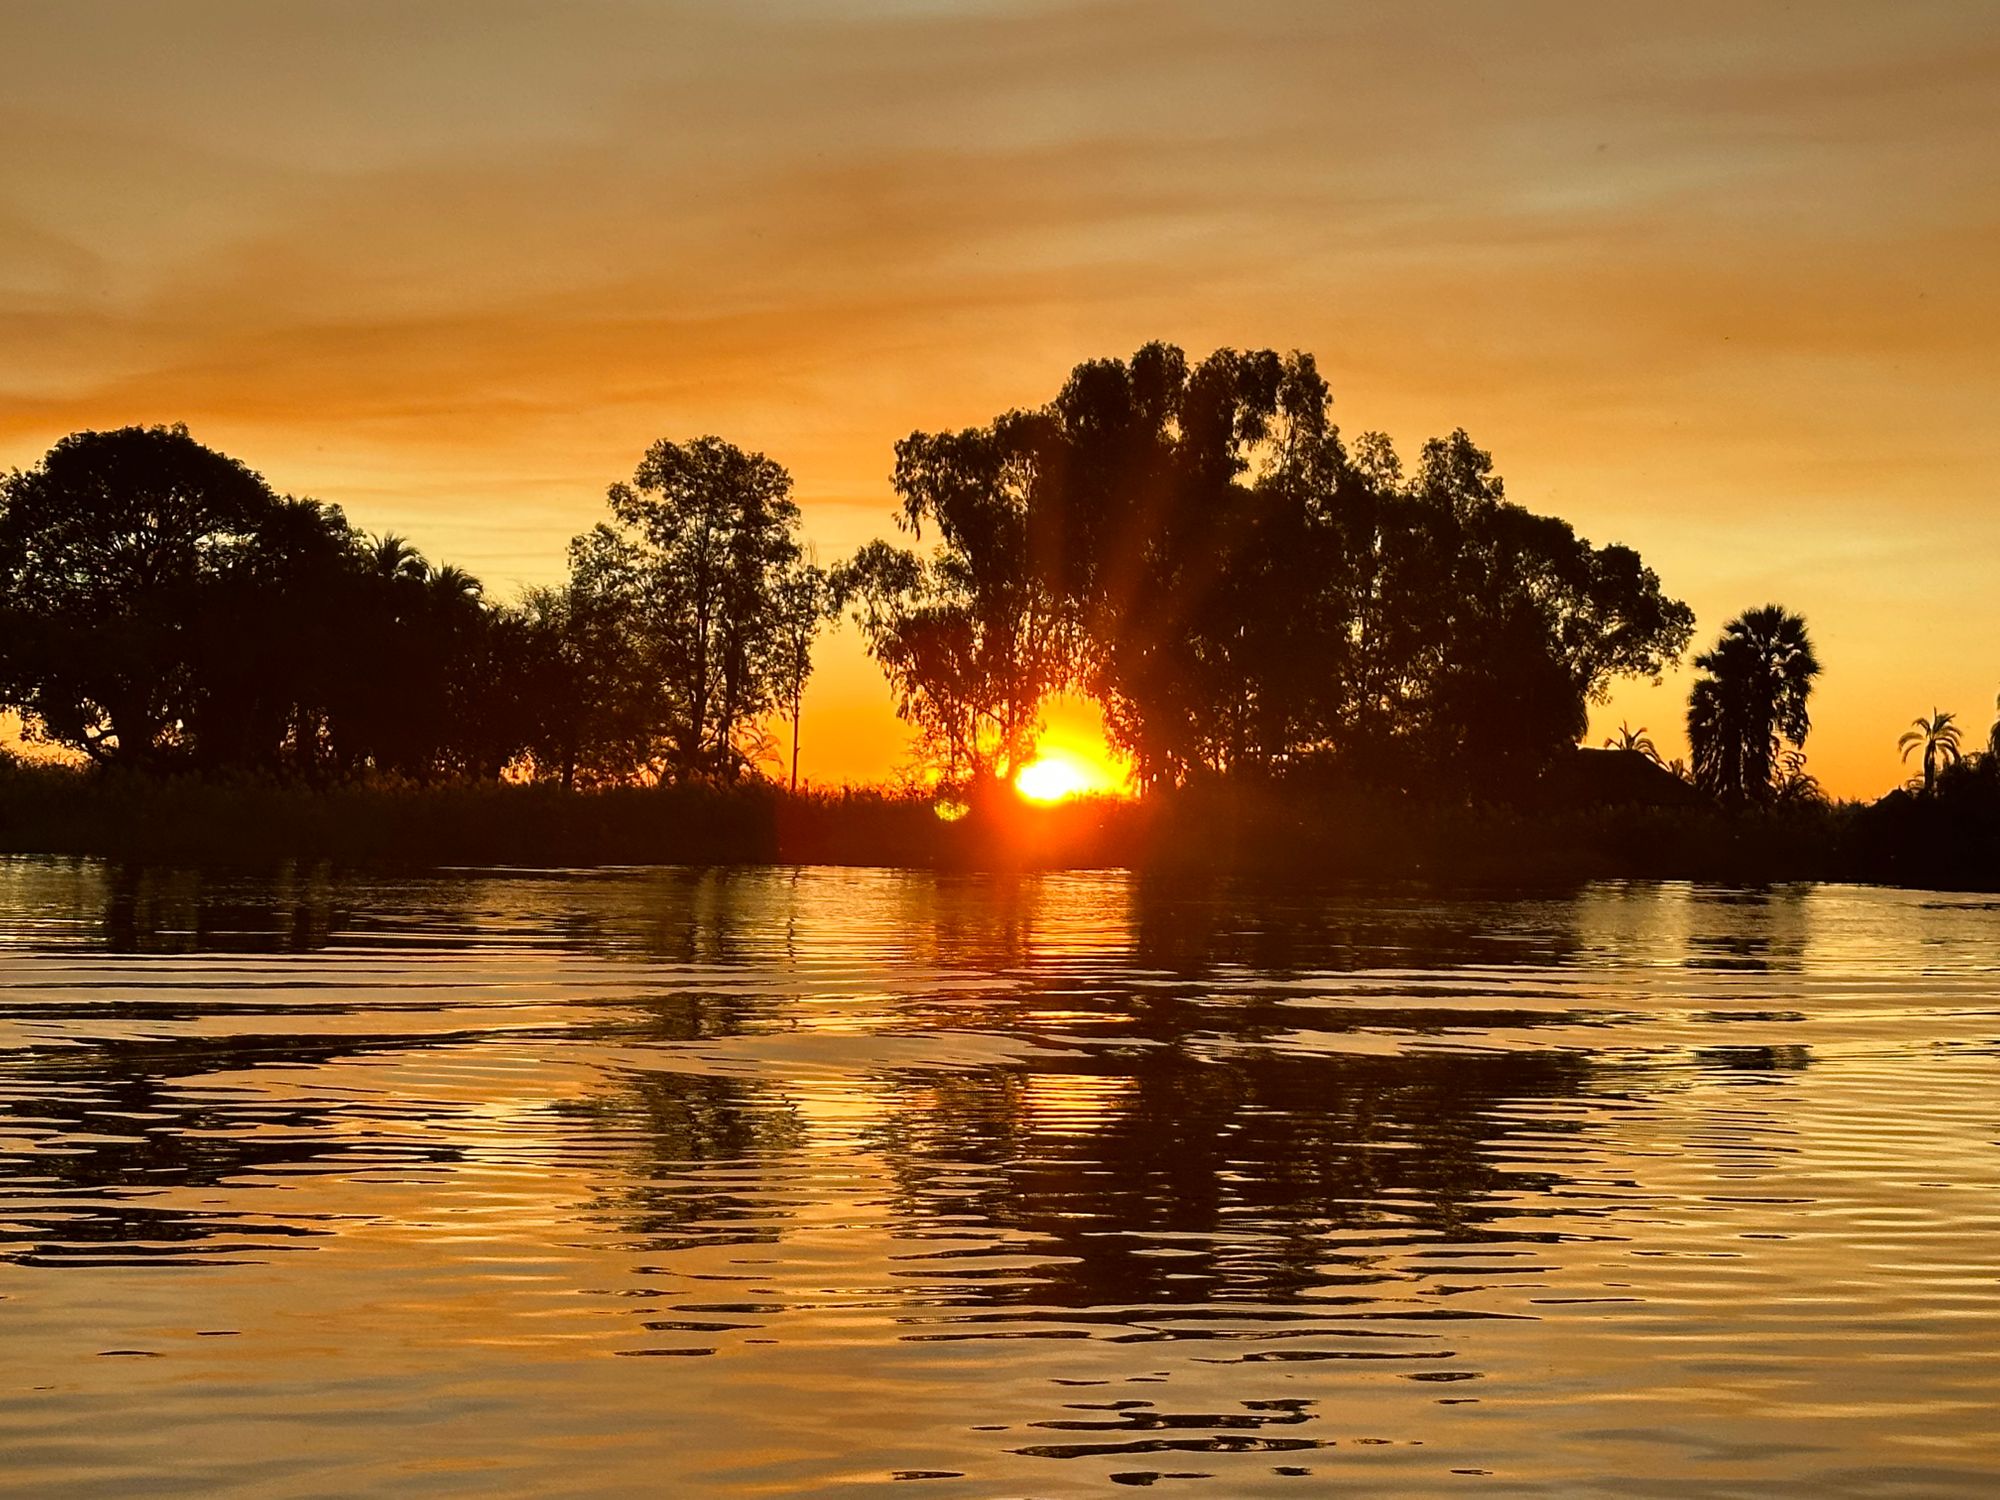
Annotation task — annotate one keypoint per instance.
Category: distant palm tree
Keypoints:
(392, 557)
(452, 584)
(1993, 734)
(1796, 786)
(1753, 699)
(1635, 740)
(1937, 737)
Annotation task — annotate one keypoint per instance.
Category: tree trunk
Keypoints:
(795, 744)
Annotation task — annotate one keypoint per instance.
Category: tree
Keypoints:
(715, 530)
(391, 558)
(1794, 785)
(1938, 738)
(594, 700)
(417, 638)
(272, 645)
(1544, 619)
(806, 601)
(111, 549)
(1635, 740)
(1192, 544)
(976, 635)
(952, 659)
(1752, 699)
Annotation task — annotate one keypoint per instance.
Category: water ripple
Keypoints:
(789, 1181)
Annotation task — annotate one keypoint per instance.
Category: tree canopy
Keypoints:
(161, 606)
(1194, 545)
(1750, 702)
(113, 552)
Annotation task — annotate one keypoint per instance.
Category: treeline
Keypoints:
(161, 607)
(1244, 592)
(1249, 595)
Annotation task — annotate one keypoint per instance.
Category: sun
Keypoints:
(1073, 757)
(1052, 778)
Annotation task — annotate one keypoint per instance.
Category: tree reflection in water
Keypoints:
(1001, 1161)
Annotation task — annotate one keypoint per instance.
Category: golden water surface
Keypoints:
(787, 1182)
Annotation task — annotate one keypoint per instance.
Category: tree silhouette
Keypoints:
(1794, 785)
(806, 600)
(954, 657)
(1192, 545)
(393, 559)
(273, 645)
(161, 607)
(594, 701)
(1635, 740)
(1752, 699)
(419, 636)
(974, 637)
(1937, 737)
(715, 535)
(110, 550)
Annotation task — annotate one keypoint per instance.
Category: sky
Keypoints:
(1721, 282)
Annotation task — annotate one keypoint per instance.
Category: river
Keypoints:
(776, 1182)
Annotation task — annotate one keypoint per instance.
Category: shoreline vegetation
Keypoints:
(1310, 656)
(1328, 834)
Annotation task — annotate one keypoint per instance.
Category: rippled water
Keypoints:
(778, 1182)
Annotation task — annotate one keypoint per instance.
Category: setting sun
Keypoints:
(1053, 778)
(1073, 758)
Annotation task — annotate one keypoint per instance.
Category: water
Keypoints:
(782, 1182)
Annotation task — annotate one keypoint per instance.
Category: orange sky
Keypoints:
(1720, 281)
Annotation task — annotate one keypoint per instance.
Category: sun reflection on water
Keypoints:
(1020, 1184)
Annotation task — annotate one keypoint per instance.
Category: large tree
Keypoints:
(715, 533)
(1752, 699)
(112, 551)
(160, 606)
(1194, 545)
(974, 635)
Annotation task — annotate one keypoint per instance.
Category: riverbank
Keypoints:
(1330, 833)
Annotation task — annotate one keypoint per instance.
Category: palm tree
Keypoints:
(1752, 700)
(1796, 786)
(392, 557)
(1993, 734)
(1635, 740)
(1937, 737)
(451, 584)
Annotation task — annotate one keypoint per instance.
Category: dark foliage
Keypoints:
(1948, 836)
(1587, 825)
(162, 609)
(118, 554)
(1196, 547)
(1750, 702)
(1318, 662)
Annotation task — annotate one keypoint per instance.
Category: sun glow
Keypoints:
(1072, 758)
(1052, 778)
